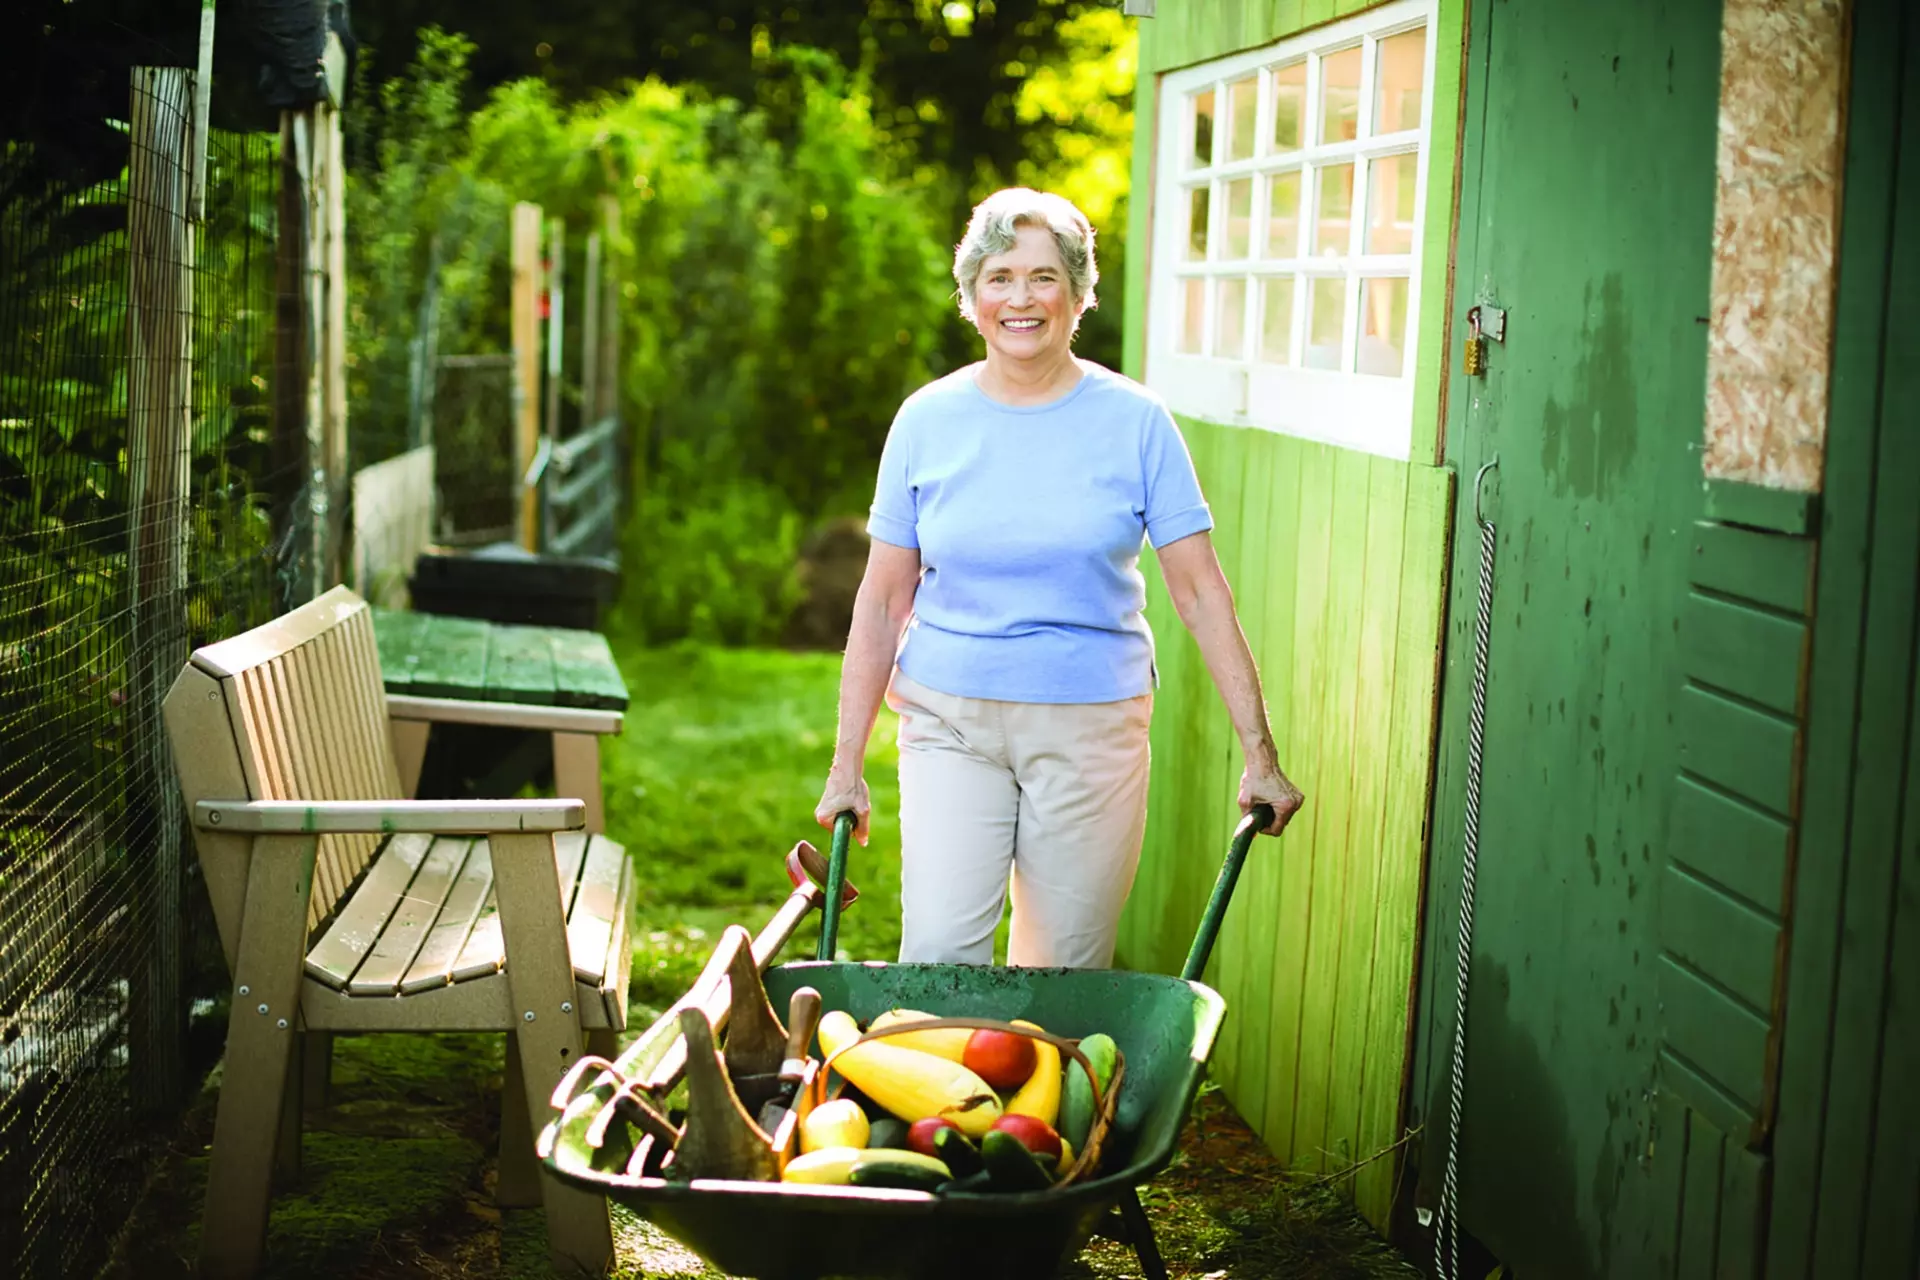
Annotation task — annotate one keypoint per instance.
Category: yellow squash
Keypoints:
(1039, 1097)
(948, 1042)
(911, 1084)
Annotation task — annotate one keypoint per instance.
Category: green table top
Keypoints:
(434, 655)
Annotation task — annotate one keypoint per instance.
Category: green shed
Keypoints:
(1692, 235)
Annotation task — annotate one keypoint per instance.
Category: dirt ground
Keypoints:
(397, 1175)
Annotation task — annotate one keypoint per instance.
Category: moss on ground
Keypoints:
(713, 780)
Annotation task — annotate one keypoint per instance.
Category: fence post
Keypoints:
(526, 365)
(159, 465)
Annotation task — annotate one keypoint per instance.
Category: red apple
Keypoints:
(1033, 1133)
(1003, 1059)
(920, 1134)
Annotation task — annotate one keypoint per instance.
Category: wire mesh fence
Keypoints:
(137, 361)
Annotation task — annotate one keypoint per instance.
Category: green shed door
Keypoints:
(1587, 214)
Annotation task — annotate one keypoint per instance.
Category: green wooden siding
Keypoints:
(1338, 562)
(1846, 1175)
(1339, 573)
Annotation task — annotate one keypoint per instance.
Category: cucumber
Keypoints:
(960, 1155)
(1076, 1103)
(888, 1132)
(901, 1170)
(1010, 1165)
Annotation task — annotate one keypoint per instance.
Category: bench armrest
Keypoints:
(424, 817)
(505, 715)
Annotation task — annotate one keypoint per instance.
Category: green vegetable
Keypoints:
(888, 1132)
(1076, 1107)
(1011, 1166)
(960, 1155)
(902, 1170)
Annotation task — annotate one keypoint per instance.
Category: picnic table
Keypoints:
(466, 673)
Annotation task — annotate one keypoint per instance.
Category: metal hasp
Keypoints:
(1137, 8)
(1493, 321)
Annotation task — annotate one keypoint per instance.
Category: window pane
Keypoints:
(1283, 215)
(1197, 224)
(1193, 316)
(1239, 243)
(1383, 327)
(1202, 154)
(1327, 320)
(1276, 320)
(1289, 106)
(1334, 216)
(1243, 101)
(1230, 319)
(1399, 81)
(1390, 194)
(1340, 96)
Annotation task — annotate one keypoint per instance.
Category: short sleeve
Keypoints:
(893, 518)
(1175, 508)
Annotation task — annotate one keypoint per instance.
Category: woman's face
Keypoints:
(1022, 303)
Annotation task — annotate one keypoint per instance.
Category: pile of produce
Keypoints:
(949, 1109)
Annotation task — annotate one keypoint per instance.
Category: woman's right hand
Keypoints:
(843, 792)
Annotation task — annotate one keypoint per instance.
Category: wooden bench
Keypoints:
(343, 906)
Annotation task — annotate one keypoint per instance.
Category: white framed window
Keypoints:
(1289, 197)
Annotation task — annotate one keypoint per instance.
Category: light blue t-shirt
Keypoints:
(1029, 522)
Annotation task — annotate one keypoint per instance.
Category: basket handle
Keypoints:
(1103, 1100)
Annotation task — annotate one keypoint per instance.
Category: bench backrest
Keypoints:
(292, 710)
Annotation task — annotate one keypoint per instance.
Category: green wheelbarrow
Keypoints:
(1164, 1026)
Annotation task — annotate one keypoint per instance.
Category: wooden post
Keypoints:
(556, 322)
(609, 357)
(159, 467)
(590, 334)
(333, 360)
(293, 353)
(526, 363)
(202, 103)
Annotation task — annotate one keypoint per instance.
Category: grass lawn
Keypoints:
(713, 780)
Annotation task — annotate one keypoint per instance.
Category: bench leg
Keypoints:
(576, 772)
(316, 1070)
(547, 1028)
(233, 1233)
(519, 1183)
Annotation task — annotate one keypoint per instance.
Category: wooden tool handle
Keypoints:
(803, 1017)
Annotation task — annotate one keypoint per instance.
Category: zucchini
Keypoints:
(960, 1155)
(903, 1170)
(1011, 1166)
(973, 1183)
(1076, 1107)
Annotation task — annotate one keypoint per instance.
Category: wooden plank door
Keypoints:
(1587, 214)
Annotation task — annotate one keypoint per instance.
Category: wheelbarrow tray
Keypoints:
(1164, 1025)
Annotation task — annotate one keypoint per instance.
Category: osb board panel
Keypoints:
(1776, 211)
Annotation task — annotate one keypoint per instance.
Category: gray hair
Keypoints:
(994, 229)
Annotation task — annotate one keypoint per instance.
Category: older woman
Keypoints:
(1001, 615)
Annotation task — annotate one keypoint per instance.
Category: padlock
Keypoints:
(1476, 355)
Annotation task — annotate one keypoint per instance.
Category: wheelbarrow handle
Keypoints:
(1257, 819)
(836, 883)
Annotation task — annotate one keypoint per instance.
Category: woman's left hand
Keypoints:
(1261, 782)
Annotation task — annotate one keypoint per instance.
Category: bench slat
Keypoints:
(584, 672)
(396, 631)
(320, 757)
(485, 950)
(408, 927)
(433, 967)
(451, 656)
(618, 965)
(590, 924)
(354, 931)
(519, 665)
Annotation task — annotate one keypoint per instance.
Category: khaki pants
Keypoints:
(1055, 794)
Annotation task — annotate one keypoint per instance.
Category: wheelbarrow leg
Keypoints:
(1140, 1236)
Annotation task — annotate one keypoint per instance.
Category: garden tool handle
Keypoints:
(836, 878)
(1256, 820)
